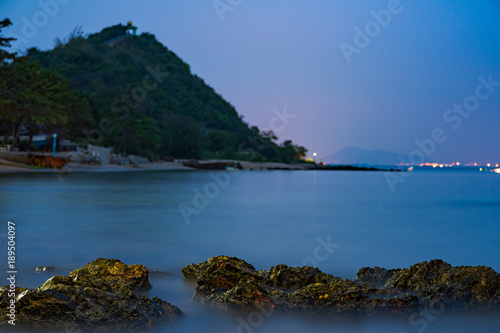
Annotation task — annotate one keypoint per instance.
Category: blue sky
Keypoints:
(271, 55)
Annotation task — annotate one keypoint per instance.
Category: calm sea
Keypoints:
(338, 221)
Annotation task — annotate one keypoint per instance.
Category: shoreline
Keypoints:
(13, 165)
(7, 167)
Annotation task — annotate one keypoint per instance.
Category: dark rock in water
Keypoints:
(231, 268)
(159, 273)
(212, 165)
(346, 297)
(220, 274)
(461, 287)
(113, 270)
(282, 276)
(375, 276)
(233, 284)
(102, 296)
(43, 269)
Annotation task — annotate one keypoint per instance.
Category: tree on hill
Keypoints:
(35, 99)
(5, 42)
(39, 101)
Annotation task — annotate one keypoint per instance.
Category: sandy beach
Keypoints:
(10, 167)
(14, 167)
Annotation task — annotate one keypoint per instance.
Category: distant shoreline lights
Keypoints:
(489, 167)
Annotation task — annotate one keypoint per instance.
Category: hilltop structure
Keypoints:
(131, 29)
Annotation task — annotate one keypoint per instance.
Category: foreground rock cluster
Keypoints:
(103, 295)
(106, 294)
(233, 284)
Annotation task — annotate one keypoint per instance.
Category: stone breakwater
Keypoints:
(233, 284)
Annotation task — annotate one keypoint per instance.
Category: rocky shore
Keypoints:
(108, 295)
(104, 295)
(233, 284)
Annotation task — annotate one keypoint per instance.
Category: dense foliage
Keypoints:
(132, 93)
(36, 99)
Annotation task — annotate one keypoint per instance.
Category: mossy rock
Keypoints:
(113, 270)
(232, 283)
(101, 296)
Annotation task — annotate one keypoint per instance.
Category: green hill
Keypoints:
(144, 100)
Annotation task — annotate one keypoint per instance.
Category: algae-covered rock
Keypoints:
(110, 270)
(219, 282)
(343, 296)
(232, 268)
(231, 283)
(282, 276)
(102, 296)
(462, 287)
(375, 276)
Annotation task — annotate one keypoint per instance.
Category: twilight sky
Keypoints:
(373, 74)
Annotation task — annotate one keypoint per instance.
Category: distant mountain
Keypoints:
(355, 155)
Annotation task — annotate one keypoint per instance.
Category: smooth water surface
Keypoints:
(339, 221)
